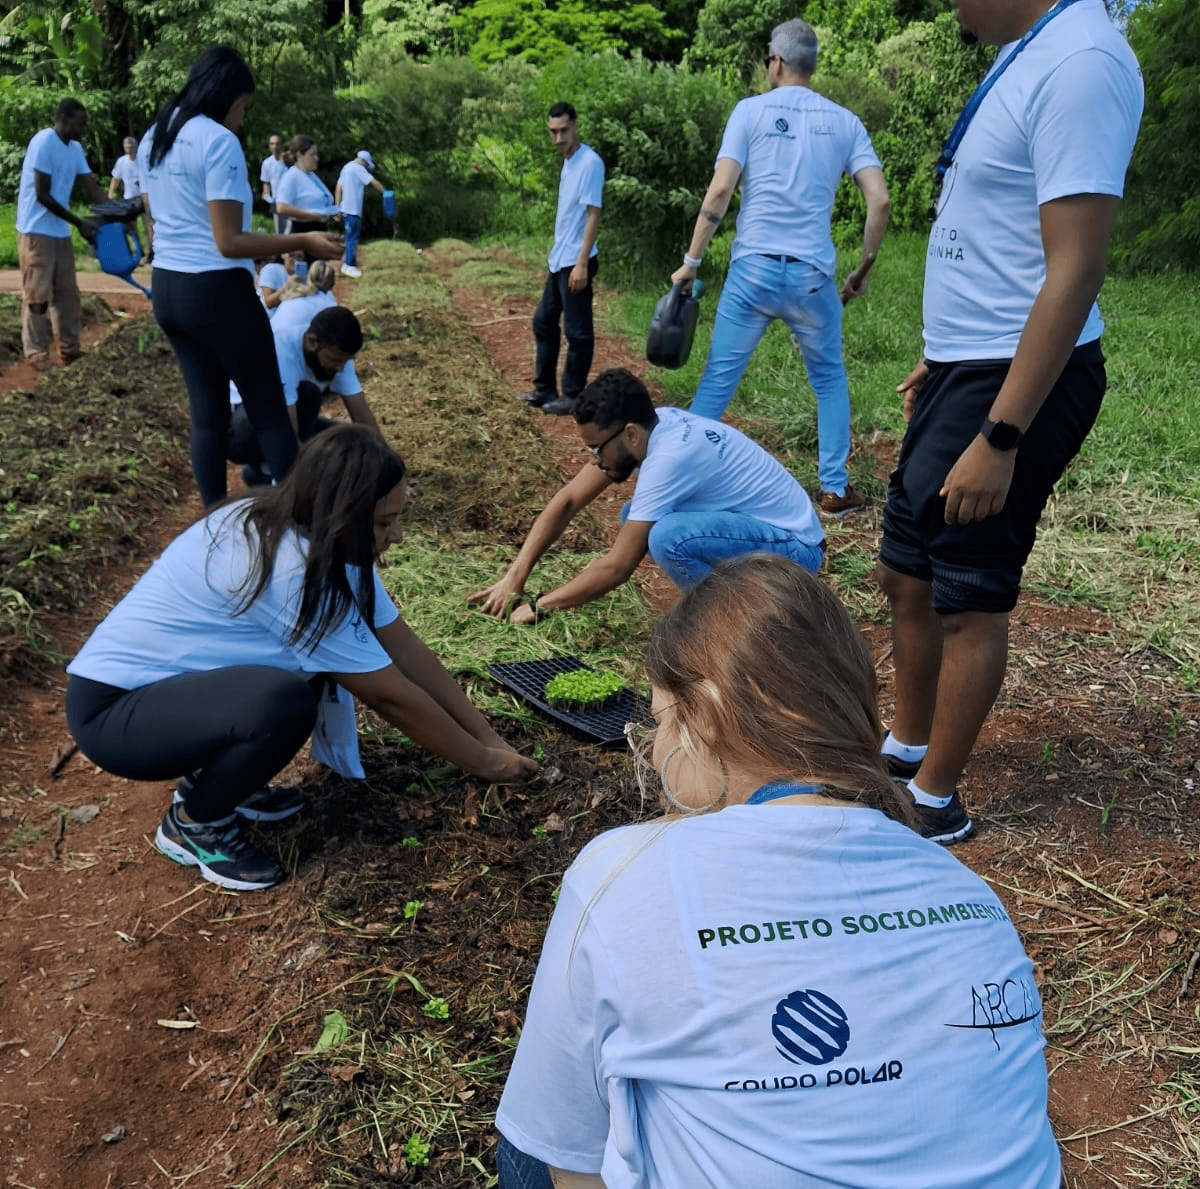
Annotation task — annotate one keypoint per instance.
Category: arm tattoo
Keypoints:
(711, 216)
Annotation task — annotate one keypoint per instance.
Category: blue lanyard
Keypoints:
(783, 788)
(972, 106)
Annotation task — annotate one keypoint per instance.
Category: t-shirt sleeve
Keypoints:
(735, 143)
(291, 373)
(225, 176)
(43, 158)
(272, 276)
(1083, 125)
(592, 193)
(862, 152)
(285, 189)
(664, 482)
(554, 1107)
(386, 611)
(346, 382)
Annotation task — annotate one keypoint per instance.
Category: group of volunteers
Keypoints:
(783, 981)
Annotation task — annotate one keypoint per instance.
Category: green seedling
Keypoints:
(1046, 759)
(538, 831)
(436, 1009)
(582, 688)
(409, 841)
(411, 908)
(416, 1151)
(1107, 809)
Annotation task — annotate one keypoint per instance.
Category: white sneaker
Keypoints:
(350, 271)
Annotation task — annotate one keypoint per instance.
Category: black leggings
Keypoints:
(230, 729)
(220, 332)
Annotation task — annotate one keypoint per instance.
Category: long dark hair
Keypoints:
(329, 497)
(300, 144)
(762, 661)
(217, 78)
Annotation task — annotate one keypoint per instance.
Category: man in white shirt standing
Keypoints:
(789, 148)
(125, 173)
(567, 297)
(352, 182)
(54, 161)
(1012, 377)
(273, 168)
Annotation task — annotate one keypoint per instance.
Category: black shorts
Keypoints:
(977, 566)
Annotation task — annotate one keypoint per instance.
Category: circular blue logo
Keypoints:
(810, 1027)
(781, 125)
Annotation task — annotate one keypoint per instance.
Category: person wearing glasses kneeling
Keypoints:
(779, 982)
(704, 492)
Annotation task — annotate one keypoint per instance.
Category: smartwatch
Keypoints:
(1000, 435)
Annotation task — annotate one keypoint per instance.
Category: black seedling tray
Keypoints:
(527, 679)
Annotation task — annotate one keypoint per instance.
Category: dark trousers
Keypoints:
(243, 445)
(518, 1170)
(230, 729)
(574, 310)
(220, 332)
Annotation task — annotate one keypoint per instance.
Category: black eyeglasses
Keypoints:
(594, 451)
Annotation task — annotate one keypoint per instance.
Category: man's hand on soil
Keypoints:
(498, 598)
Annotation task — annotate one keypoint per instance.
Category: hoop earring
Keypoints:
(669, 792)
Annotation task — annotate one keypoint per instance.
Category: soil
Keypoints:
(155, 1030)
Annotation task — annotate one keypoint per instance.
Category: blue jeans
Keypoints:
(687, 545)
(518, 1170)
(353, 225)
(757, 290)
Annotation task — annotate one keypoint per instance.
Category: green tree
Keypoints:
(732, 35)
(1159, 223)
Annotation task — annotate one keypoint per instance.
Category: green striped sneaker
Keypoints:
(220, 850)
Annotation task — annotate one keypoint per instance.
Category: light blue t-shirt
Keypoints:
(1062, 120)
(63, 163)
(293, 366)
(273, 168)
(694, 464)
(300, 311)
(354, 179)
(580, 185)
(205, 164)
(782, 997)
(180, 616)
(272, 276)
(305, 191)
(793, 146)
(126, 172)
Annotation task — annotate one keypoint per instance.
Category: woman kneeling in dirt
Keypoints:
(213, 667)
(779, 984)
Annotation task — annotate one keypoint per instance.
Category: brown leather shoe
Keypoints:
(832, 504)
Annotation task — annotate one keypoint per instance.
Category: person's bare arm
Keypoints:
(1075, 233)
(95, 191)
(337, 193)
(577, 282)
(553, 519)
(294, 212)
(41, 191)
(712, 210)
(236, 244)
(112, 186)
(874, 189)
(360, 412)
(416, 694)
(598, 577)
(379, 185)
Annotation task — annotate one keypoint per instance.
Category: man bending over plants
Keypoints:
(704, 492)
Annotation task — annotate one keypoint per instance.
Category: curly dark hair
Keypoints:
(614, 398)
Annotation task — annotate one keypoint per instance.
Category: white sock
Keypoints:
(921, 797)
(909, 753)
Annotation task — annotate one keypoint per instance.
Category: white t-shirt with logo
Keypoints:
(354, 179)
(793, 146)
(782, 997)
(300, 311)
(272, 169)
(180, 616)
(304, 190)
(580, 185)
(126, 171)
(63, 163)
(694, 464)
(293, 366)
(1060, 121)
(204, 164)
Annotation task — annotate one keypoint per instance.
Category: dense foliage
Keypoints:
(451, 97)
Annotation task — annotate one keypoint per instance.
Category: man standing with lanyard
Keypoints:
(1012, 376)
(789, 148)
(572, 265)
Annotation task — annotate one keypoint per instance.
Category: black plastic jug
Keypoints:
(669, 340)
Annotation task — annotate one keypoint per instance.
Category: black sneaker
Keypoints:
(219, 850)
(947, 825)
(253, 476)
(558, 408)
(901, 770)
(271, 803)
(535, 400)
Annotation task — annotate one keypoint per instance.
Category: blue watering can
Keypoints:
(117, 246)
(389, 203)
